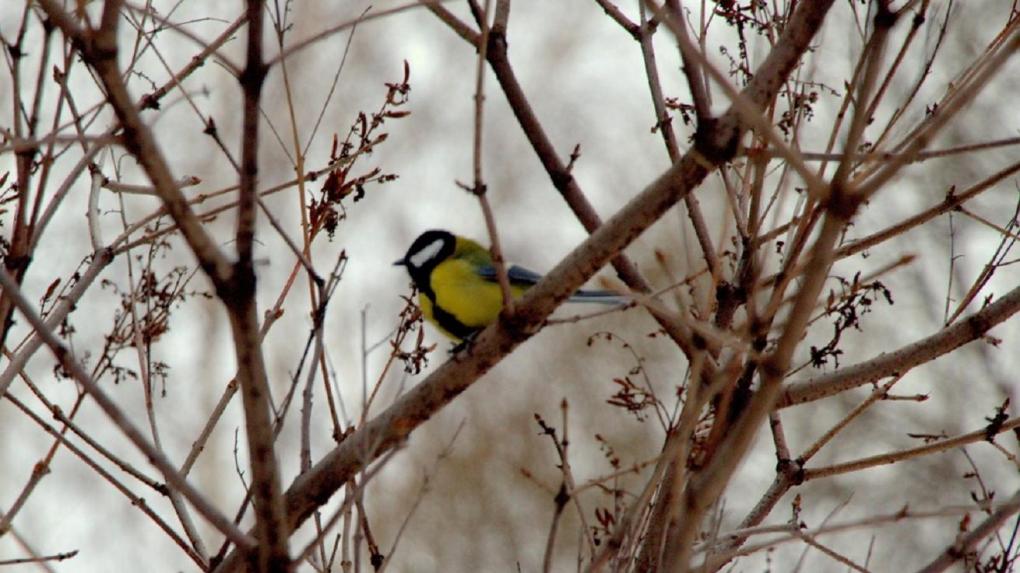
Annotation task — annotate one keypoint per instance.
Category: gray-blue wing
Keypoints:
(521, 276)
(518, 275)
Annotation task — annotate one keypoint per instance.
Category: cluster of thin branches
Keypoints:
(742, 318)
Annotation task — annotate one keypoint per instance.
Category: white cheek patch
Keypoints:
(426, 254)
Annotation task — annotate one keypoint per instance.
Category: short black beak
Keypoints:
(400, 263)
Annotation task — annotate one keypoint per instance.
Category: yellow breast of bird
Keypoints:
(471, 299)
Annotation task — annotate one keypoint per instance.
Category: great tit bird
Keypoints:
(458, 289)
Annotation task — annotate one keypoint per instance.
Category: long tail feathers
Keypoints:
(599, 297)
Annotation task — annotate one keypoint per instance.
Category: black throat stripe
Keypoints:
(448, 321)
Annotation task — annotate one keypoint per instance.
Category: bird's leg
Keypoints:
(467, 343)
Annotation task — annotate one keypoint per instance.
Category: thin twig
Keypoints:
(72, 366)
